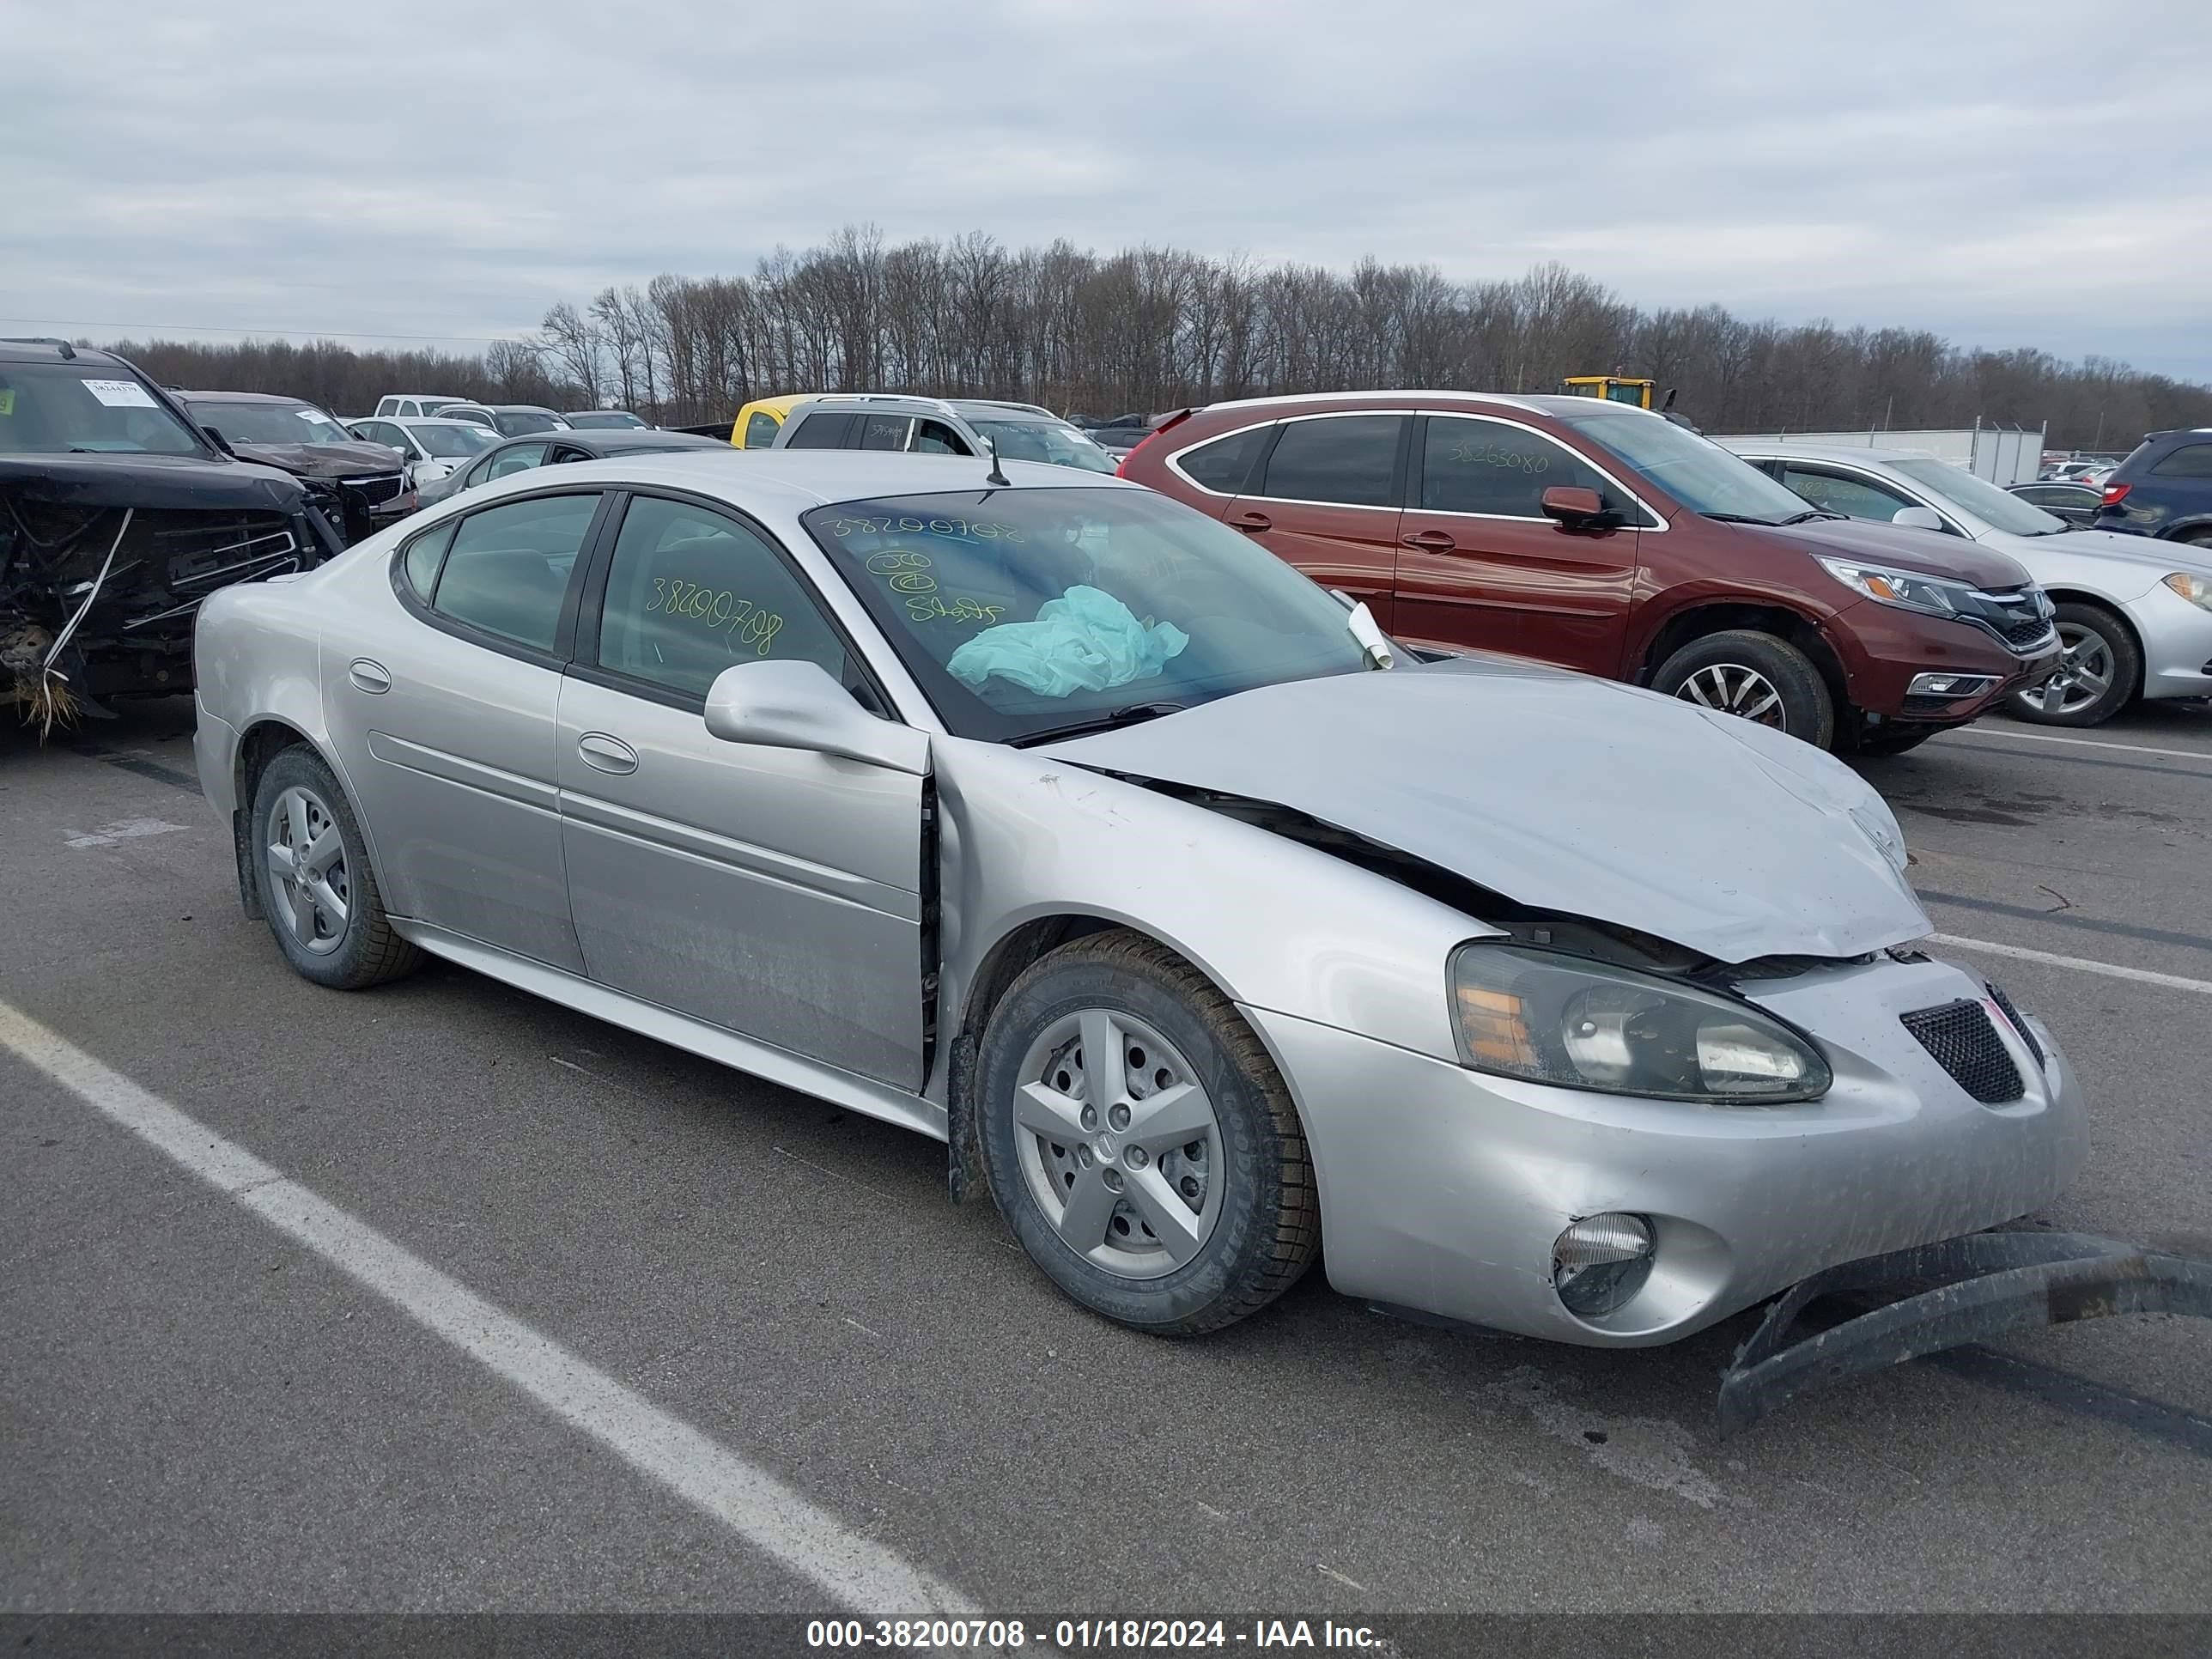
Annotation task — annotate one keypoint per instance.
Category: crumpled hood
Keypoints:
(151, 482)
(1563, 792)
(1930, 552)
(322, 460)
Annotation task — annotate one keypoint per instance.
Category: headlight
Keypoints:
(1581, 1024)
(1904, 588)
(2197, 590)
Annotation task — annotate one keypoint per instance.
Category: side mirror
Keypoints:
(1574, 507)
(1918, 518)
(795, 705)
(215, 437)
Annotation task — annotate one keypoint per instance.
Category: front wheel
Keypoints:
(317, 887)
(1139, 1142)
(1755, 677)
(2096, 678)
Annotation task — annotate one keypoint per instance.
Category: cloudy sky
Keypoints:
(2028, 173)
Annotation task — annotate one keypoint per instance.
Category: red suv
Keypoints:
(1604, 538)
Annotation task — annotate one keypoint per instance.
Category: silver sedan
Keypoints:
(1048, 818)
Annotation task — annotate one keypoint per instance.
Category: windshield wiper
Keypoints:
(1740, 517)
(1813, 513)
(1129, 714)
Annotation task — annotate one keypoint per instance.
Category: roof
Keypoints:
(617, 439)
(55, 351)
(812, 477)
(1784, 447)
(428, 420)
(245, 397)
(1545, 403)
(972, 408)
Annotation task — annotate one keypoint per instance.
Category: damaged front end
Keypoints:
(103, 564)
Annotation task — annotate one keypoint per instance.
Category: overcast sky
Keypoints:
(2018, 174)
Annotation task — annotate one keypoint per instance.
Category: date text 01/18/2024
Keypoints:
(1082, 1635)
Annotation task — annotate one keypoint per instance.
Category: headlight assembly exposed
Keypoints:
(1582, 1025)
(1906, 589)
(2197, 589)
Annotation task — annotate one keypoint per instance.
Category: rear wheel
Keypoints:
(317, 887)
(1756, 677)
(2097, 677)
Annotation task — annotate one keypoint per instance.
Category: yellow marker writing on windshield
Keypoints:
(7, 402)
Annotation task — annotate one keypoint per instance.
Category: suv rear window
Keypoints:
(1351, 460)
(2189, 461)
(1223, 465)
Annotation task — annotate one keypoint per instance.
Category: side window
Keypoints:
(691, 592)
(519, 459)
(422, 559)
(566, 454)
(509, 567)
(881, 432)
(760, 430)
(824, 431)
(935, 438)
(1500, 471)
(1855, 498)
(1348, 458)
(2189, 461)
(1223, 465)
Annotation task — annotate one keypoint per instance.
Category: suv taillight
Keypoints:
(2114, 494)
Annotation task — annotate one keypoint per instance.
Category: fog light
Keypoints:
(1599, 1263)
(1949, 685)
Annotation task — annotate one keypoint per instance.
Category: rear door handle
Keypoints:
(369, 675)
(1252, 521)
(1429, 541)
(606, 753)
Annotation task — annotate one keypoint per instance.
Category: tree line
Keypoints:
(1150, 329)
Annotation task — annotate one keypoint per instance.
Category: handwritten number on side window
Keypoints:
(741, 619)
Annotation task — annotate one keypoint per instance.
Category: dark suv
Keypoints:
(2163, 490)
(1601, 537)
(118, 516)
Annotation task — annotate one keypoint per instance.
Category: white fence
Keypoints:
(2009, 455)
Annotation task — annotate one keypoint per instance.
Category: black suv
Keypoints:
(2163, 490)
(118, 516)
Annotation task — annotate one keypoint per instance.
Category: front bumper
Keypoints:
(2177, 644)
(1443, 1188)
(1883, 648)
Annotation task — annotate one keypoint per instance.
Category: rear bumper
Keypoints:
(1442, 1189)
(1883, 648)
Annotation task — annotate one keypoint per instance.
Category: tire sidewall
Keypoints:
(1251, 1155)
(301, 768)
(1809, 710)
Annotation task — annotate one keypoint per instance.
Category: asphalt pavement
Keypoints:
(517, 1311)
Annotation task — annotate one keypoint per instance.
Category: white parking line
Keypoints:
(2081, 964)
(853, 1569)
(2086, 743)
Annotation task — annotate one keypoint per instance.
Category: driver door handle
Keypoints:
(1252, 522)
(606, 753)
(1429, 541)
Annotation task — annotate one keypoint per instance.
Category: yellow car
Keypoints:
(756, 423)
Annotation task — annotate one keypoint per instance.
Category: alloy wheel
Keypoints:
(1730, 688)
(2084, 673)
(1119, 1143)
(308, 878)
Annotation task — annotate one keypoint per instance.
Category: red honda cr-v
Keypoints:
(1607, 538)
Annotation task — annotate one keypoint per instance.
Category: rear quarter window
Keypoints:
(2189, 461)
(1224, 464)
(824, 431)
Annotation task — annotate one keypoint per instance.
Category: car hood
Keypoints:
(151, 482)
(322, 460)
(1930, 552)
(1563, 792)
(2107, 546)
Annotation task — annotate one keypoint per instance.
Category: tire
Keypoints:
(1894, 743)
(1745, 671)
(296, 803)
(1245, 1217)
(2101, 652)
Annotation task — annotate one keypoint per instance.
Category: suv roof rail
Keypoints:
(1026, 408)
(62, 346)
(937, 404)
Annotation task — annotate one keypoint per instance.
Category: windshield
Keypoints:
(1999, 509)
(1696, 472)
(451, 442)
(1021, 611)
(1045, 441)
(50, 408)
(600, 420)
(516, 421)
(269, 423)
